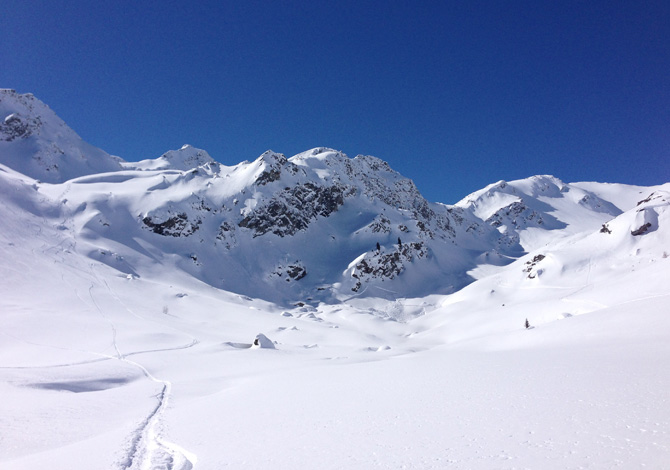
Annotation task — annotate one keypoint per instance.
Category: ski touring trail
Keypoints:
(149, 450)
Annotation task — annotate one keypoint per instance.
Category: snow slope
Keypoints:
(36, 142)
(264, 328)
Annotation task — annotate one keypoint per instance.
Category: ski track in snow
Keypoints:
(149, 450)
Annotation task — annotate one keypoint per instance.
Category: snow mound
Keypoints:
(263, 342)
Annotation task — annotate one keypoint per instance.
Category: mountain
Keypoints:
(317, 310)
(318, 226)
(37, 143)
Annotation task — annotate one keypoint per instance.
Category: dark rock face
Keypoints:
(403, 195)
(176, 226)
(275, 164)
(381, 224)
(296, 272)
(268, 177)
(531, 264)
(641, 230)
(227, 235)
(292, 272)
(520, 214)
(292, 209)
(18, 127)
(387, 265)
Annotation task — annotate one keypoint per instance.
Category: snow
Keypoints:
(36, 142)
(463, 385)
(186, 158)
(121, 348)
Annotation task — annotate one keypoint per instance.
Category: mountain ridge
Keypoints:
(316, 227)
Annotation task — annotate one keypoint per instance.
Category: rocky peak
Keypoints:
(271, 165)
(37, 143)
(18, 116)
(324, 164)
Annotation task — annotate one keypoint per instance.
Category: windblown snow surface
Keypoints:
(116, 353)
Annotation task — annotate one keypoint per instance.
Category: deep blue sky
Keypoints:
(453, 94)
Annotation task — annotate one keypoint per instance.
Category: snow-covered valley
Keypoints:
(317, 312)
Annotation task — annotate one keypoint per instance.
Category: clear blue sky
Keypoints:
(453, 94)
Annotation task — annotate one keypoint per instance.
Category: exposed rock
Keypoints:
(273, 164)
(381, 265)
(641, 230)
(176, 226)
(227, 235)
(16, 126)
(380, 224)
(530, 265)
(268, 176)
(292, 209)
(262, 342)
(292, 272)
(296, 272)
(519, 215)
(651, 197)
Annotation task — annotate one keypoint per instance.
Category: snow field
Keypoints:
(132, 295)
